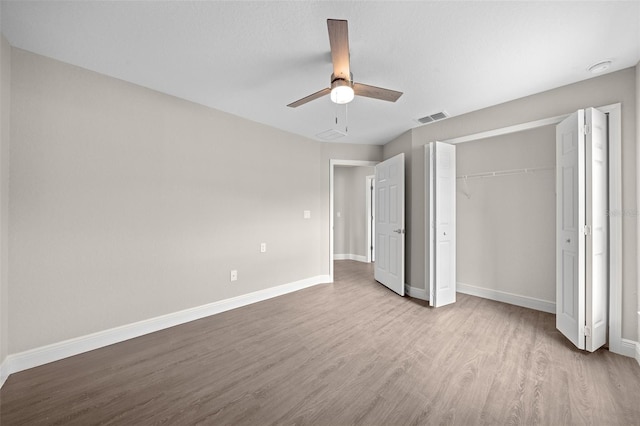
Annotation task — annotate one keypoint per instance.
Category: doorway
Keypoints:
(333, 217)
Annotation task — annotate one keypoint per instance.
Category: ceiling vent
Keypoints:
(330, 135)
(433, 117)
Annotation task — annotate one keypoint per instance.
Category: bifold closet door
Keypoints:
(440, 212)
(582, 228)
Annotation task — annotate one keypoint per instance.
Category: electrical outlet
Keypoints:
(234, 275)
(263, 247)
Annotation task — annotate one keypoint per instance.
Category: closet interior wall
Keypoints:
(506, 221)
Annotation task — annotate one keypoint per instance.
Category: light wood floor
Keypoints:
(351, 352)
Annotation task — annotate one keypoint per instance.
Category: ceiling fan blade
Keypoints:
(309, 98)
(376, 92)
(339, 41)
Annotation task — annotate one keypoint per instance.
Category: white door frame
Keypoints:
(616, 343)
(370, 200)
(332, 164)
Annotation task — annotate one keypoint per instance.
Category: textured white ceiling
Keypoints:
(253, 58)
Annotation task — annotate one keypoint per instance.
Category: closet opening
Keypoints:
(524, 172)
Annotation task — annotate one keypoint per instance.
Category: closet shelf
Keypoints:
(504, 173)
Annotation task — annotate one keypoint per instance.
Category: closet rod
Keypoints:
(504, 173)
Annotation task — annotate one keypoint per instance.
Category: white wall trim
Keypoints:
(503, 296)
(508, 130)
(616, 343)
(60, 350)
(417, 293)
(370, 182)
(356, 257)
(638, 352)
(4, 372)
(627, 348)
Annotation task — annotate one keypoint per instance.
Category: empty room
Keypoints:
(319, 213)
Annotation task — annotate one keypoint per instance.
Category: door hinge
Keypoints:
(587, 230)
(587, 331)
(587, 129)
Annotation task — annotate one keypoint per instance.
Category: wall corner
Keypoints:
(5, 123)
(637, 117)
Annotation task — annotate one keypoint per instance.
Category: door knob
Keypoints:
(398, 231)
(568, 240)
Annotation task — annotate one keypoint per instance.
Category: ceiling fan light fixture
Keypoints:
(342, 92)
(343, 89)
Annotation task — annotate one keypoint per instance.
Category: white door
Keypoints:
(570, 186)
(441, 212)
(389, 223)
(581, 229)
(597, 238)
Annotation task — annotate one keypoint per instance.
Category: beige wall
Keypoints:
(608, 89)
(128, 204)
(5, 106)
(349, 198)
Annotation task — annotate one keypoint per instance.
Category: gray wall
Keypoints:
(349, 198)
(607, 89)
(5, 106)
(128, 204)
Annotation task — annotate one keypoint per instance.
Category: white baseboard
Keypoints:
(60, 350)
(4, 372)
(418, 293)
(503, 296)
(626, 347)
(638, 343)
(356, 257)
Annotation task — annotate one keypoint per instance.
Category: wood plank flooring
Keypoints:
(346, 353)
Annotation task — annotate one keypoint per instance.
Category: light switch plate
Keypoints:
(263, 247)
(307, 214)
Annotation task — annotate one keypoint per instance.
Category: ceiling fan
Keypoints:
(343, 88)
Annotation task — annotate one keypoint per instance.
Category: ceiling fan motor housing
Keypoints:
(341, 81)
